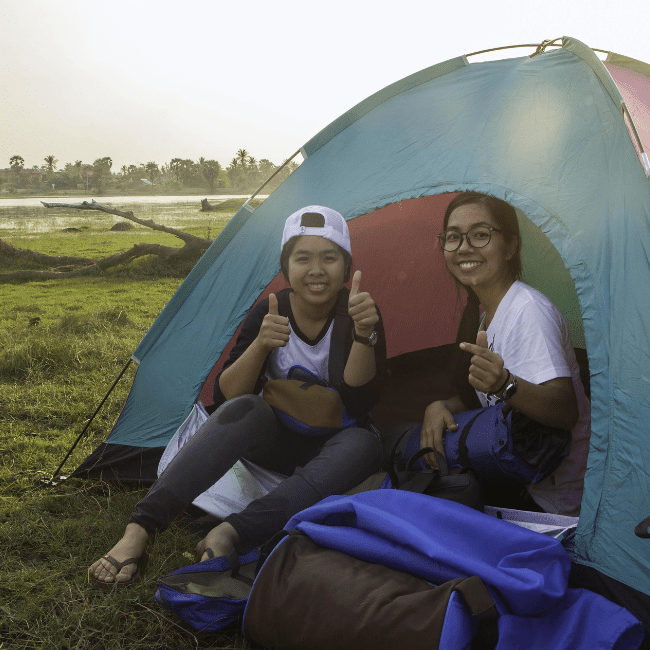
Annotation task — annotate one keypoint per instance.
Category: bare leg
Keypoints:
(133, 544)
(221, 539)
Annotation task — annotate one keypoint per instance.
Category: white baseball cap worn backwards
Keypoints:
(335, 228)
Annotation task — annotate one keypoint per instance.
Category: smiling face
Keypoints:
(484, 268)
(316, 271)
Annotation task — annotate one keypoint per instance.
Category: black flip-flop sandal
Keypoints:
(140, 562)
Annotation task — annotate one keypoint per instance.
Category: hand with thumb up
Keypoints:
(362, 308)
(486, 372)
(274, 332)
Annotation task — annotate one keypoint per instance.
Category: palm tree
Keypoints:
(175, 166)
(16, 162)
(152, 170)
(252, 162)
(210, 170)
(242, 157)
(50, 162)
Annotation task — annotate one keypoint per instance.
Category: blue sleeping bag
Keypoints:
(438, 540)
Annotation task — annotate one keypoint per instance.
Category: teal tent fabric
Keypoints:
(547, 134)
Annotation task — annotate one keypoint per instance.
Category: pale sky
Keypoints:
(141, 80)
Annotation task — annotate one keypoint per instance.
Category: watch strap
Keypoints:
(511, 389)
(365, 340)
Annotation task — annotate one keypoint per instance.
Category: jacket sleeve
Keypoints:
(249, 331)
(358, 400)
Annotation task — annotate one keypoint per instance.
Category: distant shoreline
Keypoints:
(125, 199)
(196, 191)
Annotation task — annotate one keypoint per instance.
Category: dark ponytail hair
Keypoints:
(470, 321)
(506, 219)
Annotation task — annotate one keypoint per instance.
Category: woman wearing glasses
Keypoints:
(519, 349)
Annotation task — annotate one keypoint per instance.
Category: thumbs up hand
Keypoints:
(274, 332)
(486, 372)
(273, 305)
(362, 308)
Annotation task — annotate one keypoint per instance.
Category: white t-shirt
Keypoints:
(532, 337)
(297, 352)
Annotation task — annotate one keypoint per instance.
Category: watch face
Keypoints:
(372, 339)
(510, 389)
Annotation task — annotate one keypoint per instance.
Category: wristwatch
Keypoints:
(366, 340)
(510, 390)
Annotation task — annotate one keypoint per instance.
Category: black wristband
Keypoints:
(503, 385)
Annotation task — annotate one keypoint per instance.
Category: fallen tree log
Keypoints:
(7, 250)
(149, 223)
(68, 267)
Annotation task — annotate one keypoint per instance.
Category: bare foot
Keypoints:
(132, 545)
(221, 540)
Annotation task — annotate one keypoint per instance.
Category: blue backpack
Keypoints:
(500, 444)
(211, 595)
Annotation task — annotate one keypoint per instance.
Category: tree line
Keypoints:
(244, 174)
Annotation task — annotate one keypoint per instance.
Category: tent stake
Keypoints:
(92, 417)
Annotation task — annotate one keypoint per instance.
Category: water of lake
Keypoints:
(33, 201)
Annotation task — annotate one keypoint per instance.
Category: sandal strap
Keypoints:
(120, 565)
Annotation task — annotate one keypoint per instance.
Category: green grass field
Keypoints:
(62, 342)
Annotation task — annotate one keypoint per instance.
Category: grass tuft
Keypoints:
(234, 205)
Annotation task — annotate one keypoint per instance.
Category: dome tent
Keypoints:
(552, 135)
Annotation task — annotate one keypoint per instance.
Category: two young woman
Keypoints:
(294, 328)
(521, 350)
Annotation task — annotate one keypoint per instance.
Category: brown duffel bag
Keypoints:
(312, 598)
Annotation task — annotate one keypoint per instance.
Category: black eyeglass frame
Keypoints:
(442, 238)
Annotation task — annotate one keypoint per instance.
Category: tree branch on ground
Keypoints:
(66, 266)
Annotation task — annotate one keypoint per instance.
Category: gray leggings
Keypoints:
(246, 427)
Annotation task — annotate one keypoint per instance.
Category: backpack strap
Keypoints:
(284, 303)
(233, 560)
(392, 472)
(481, 605)
(341, 334)
(463, 453)
(269, 546)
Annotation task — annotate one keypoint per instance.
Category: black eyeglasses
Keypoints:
(477, 237)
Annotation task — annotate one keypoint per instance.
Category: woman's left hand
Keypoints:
(362, 308)
(486, 372)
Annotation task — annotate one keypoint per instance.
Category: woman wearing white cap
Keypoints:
(311, 325)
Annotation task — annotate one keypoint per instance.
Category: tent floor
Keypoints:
(123, 463)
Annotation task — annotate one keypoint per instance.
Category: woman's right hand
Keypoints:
(274, 332)
(437, 418)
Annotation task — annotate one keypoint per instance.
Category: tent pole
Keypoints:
(92, 417)
(539, 47)
(268, 180)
